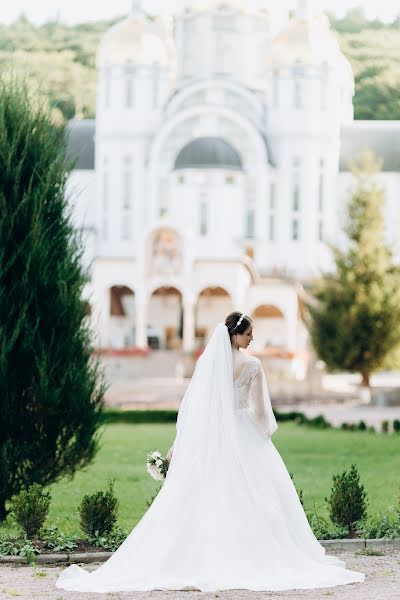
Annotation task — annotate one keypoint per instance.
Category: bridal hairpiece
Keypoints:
(240, 320)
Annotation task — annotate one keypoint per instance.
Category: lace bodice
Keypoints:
(249, 369)
(251, 394)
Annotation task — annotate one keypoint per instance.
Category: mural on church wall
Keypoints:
(165, 253)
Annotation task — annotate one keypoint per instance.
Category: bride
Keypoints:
(228, 515)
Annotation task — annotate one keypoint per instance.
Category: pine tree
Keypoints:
(355, 312)
(51, 388)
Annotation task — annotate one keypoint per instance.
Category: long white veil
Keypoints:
(205, 423)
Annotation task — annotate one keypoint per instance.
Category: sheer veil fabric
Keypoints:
(227, 515)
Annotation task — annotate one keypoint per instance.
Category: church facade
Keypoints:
(215, 171)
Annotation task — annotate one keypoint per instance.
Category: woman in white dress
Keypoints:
(228, 515)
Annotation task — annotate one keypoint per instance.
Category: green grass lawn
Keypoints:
(311, 455)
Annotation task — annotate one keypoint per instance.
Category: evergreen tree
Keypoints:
(355, 312)
(51, 388)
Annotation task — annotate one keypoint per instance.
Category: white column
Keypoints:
(188, 326)
(141, 325)
(105, 315)
(291, 321)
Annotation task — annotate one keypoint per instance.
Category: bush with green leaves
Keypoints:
(99, 512)
(110, 540)
(382, 525)
(385, 426)
(30, 508)
(396, 425)
(323, 529)
(348, 500)
(21, 547)
(58, 540)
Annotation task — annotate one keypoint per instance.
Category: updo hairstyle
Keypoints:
(231, 321)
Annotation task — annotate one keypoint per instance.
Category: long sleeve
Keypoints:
(259, 402)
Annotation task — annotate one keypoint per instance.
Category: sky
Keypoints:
(75, 11)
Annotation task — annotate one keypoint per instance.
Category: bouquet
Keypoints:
(157, 466)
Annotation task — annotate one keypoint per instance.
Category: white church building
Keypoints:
(216, 169)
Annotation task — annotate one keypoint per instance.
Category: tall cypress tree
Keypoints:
(355, 314)
(51, 388)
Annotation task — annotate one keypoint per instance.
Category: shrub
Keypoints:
(385, 426)
(25, 548)
(382, 525)
(396, 426)
(348, 500)
(319, 422)
(362, 426)
(58, 541)
(30, 509)
(109, 541)
(99, 512)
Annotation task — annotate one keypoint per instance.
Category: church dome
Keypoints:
(132, 40)
(308, 40)
(208, 153)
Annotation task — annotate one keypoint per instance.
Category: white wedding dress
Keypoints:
(228, 515)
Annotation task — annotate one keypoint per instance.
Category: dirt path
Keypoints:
(382, 583)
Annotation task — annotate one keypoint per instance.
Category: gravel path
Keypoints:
(382, 583)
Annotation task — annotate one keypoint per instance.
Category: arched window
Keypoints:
(272, 211)
(321, 193)
(105, 195)
(107, 87)
(298, 81)
(295, 229)
(129, 72)
(203, 210)
(298, 93)
(275, 90)
(296, 197)
(127, 183)
(250, 222)
(324, 85)
(127, 193)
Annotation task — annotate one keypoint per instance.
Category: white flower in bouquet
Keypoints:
(157, 466)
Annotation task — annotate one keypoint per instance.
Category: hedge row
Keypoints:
(114, 415)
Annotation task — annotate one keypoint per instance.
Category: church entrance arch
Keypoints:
(213, 304)
(269, 327)
(165, 319)
(122, 316)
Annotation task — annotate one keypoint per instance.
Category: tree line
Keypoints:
(59, 60)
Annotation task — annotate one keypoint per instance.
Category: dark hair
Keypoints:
(231, 321)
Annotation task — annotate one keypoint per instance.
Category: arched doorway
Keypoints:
(165, 319)
(214, 303)
(122, 317)
(269, 327)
